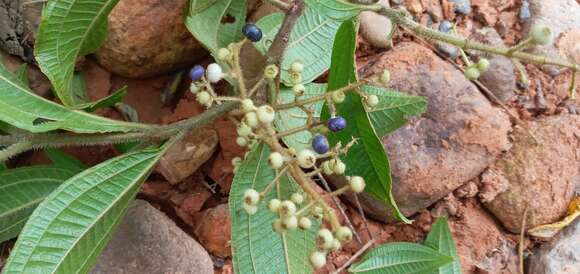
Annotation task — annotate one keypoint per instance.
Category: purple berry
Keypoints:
(336, 124)
(252, 32)
(196, 73)
(320, 144)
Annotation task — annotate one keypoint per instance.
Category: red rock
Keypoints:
(186, 108)
(213, 230)
(145, 97)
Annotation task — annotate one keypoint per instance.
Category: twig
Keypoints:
(362, 214)
(368, 245)
(521, 243)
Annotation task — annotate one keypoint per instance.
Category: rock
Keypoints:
(376, 28)
(562, 255)
(561, 16)
(213, 230)
(462, 6)
(185, 156)
(144, 95)
(148, 38)
(452, 143)
(19, 20)
(447, 49)
(525, 13)
(569, 46)
(542, 178)
(147, 241)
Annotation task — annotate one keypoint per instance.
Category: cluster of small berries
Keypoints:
(475, 70)
(199, 86)
(327, 241)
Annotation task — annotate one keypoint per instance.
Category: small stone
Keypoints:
(376, 28)
(562, 255)
(187, 155)
(525, 13)
(213, 230)
(462, 6)
(147, 241)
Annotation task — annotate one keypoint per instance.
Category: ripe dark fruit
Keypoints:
(196, 73)
(320, 144)
(336, 124)
(252, 32)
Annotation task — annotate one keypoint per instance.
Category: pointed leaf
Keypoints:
(21, 190)
(63, 160)
(256, 247)
(367, 158)
(69, 229)
(23, 109)
(440, 239)
(108, 101)
(22, 74)
(397, 258)
(69, 29)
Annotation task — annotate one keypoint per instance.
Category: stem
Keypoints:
(279, 4)
(521, 46)
(14, 150)
(324, 96)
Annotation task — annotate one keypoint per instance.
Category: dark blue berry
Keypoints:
(336, 124)
(196, 73)
(252, 32)
(320, 144)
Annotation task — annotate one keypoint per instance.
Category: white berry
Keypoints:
(251, 197)
(242, 141)
(318, 259)
(306, 158)
(244, 130)
(276, 160)
(290, 222)
(338, 166)
(271, 71)
(248, 105)
(274, 205)
(343, 234)
(326, 169)
(324, 238)
(236, 161)
(338, 97)
(297, 198)
(277, 226)
(214, 73)
(287, 208)
(250, 209)
(357, 184)
(304, 223)
(372, 100)
(266, 114)
(251, 119)
(297, 67)
(335, 245)
(385, 77)
(298, 90)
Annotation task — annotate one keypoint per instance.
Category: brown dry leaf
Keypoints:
(549, 230)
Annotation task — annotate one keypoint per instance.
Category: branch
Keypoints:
(280, 43)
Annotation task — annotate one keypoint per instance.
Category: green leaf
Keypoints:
(367, 158)
(288, 119)
(393, 109)
(108, 101)
(21, 190)
(397, 258)
(79, 89)
(23, 109)
(63, 160)
(22, 74)
(311, 38)
(256, 247)
(440, 239)
(69, 29)
(69, 229)
(211, 22)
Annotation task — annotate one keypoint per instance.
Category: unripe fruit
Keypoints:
(385, 77)
(304, 223)
(271, 71)
(357, 184)
(336, 124)
(244, 130)
(541, 35)
(320, 144)
(242, 141)
(250, 209)
(317, 212)
(297, 198)
(290, 222)
(372, 100)
(251, 119)
(338, 96)
(223, 54)
(193, 88)
(472, 73)
(318, 259)
(483, 65)
(306, 158)
(204, 98)
(236, 161)
(287, 208)
(274, 205)
(248, 105)
(251, 197)
(266, 114)
(335, 245)
(252, 32)
(276, 160)
(339, 167)
(196, 73)
(297, 67)
(343, 234)
(298, 90)
(277, 226)
(214, 73)
(326, 168)
(324, 239)
(296, 77)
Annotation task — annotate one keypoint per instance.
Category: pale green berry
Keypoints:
(483, 65)
(338, 96)
(297, 67)
(317, 212)
(296, 77)
(242, 141)
(318, 259)
(277, 226)
(250, 209)
(287, 208)
(326, 168)
(194, 88)
(236, 161)
(339, 167)
(372, 100)
(343, 234)
(297, 198)
(541, 35)
(385, 77)
(247, 105)
(271, 71)
(251, 119)
(472, 73)
(274, 205)
(204, 98)
(306, 158)
(335, 245)
(251, 197)
(324, 238)
(244, 130)
(290, 222)
(276, 160)
(223, 54)
(266, 114)
(357, 184)
(298, 90)
(304, 223)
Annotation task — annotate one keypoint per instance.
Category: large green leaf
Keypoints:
(256, 247)
(393, 109)
(397, 258)
(69, 229)
(311, 38)
(440, 238)
(63, 160)
(21, 190)
(367, 158)
(23, 109)
(69, 29)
